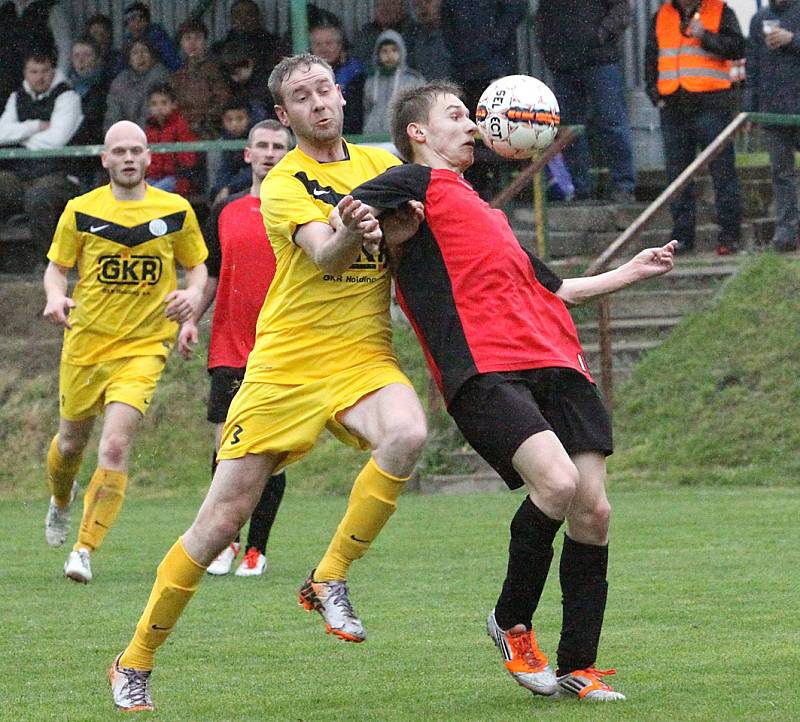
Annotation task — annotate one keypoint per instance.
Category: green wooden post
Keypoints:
(300, 42)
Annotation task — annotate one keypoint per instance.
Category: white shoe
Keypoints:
(254, 564)
(56, 523)
(78, 566)
(332, 601)
(588, 685)
(130, 687)
(224, 561)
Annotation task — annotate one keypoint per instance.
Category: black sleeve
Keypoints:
(728, 43)
(396, 186)
(211, 233)
(544, 274)
(651, 62)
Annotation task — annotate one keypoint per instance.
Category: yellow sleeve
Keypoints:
(67, 242)
(285, 205)
(190, 247)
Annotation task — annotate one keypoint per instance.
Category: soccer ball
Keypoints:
(517, 115)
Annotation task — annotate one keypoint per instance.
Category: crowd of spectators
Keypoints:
(59, 89)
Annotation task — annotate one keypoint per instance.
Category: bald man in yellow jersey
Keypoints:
(322, 359)
(120, 323)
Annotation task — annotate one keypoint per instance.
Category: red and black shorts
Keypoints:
(225, 382)
(498, 411)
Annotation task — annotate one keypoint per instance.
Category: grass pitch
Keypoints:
(701, 621)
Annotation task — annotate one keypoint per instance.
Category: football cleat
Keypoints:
(254, 564)
(78, 566)
(130, 687)
(331, 599)
(224, 561)
(525, 662)
(587, 684)
(56, 523)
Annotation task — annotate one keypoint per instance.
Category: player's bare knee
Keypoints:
(405, 438)
(71, 445)
(114, 450)
(558, 484)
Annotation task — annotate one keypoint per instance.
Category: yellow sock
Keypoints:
(61, 472)
(101, 505)
(176, 581)
(372, 501)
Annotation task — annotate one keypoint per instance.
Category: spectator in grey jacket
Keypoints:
(127, 98)
(391, 73)
(773, 86)
(580, 42)
(42, 114)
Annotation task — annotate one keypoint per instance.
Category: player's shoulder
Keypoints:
(235, 203)
(90, 198)
(379, 157)
(160, 197)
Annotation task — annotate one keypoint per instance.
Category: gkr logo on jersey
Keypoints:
(129, 270)
(370, 261)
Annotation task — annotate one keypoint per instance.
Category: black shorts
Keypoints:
(225, 382)
(496, 412)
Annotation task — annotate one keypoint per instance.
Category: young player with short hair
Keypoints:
(322, 358)
(493, 323)
(120, 324)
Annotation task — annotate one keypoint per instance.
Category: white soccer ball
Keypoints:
(517, 115)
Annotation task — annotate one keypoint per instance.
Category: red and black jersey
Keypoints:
(478, 301)
(241, 257)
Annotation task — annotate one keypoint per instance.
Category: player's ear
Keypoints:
(416, 132)
(282, 117)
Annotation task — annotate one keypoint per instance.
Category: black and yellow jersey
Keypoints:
(313, 323)
(125, 252)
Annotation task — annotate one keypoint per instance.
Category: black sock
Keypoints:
(264, 514)
(584, 590)
(530, 552)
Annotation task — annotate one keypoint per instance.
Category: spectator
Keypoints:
(127, 98)
(689, 49)
(773, 86)
(580, 42)
(138, 26)
(327, 42)
(389, 15)
(100, 28)
(427, 52)
(89, 80)
(166, 124)
(247, 29)
(234, 173)
(43, 113)
(199, 84)
(26, 26)
(245, 84)
(391, 73)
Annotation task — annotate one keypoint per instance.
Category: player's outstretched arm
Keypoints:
(184, 304)
(645, 264)
(334, 246)
(57, 308)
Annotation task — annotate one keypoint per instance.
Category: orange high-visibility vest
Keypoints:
(682, 63)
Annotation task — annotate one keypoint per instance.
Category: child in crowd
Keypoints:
(233, 175)
(391, 73)
(166, 124)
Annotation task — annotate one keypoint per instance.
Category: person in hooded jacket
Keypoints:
(391, 73)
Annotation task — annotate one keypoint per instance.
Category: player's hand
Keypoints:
(695, 29)
(357, 218)
(402, 224)
(778, 37)
(654, 261)
(187, 339)
(57, 311)
(181, 305)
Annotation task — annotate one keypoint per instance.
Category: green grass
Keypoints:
(717, 402)
(701, 620)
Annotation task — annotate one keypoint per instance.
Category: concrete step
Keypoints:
(658, 302)
(462, 483)
(630, 329)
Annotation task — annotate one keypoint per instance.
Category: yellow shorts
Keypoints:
(86, 390)
(284, 421)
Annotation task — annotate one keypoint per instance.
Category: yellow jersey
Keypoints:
(314, 324)
(126, 253)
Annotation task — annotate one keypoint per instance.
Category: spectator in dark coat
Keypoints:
(138, 26)
(247, 29)
(773, 86)
(100, 29)
(233, 173)
(127, 98)
(246, 86)
(389, 15)
(327, 42)
(201, 88)
(580, 42)
(427, 51)
(688, 54)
